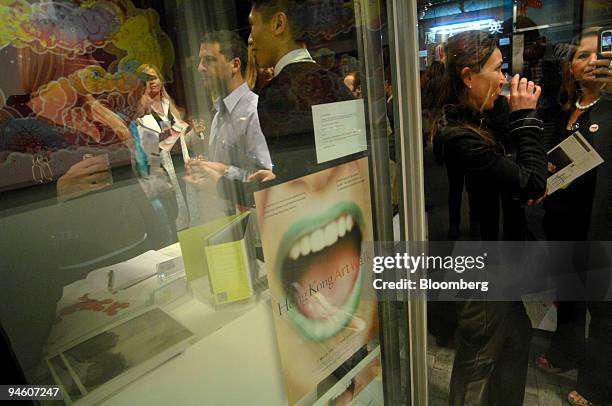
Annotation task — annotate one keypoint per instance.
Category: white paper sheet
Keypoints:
(339, 129)
(569, 160)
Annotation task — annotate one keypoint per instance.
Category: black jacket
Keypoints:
(583, 210)
(489, 171)
(285, 114)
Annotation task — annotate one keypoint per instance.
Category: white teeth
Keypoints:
(322, 237)
(341, 226)
(295, 252)
(317, 241)
(305, 245)
(349, 223)
(331, 234)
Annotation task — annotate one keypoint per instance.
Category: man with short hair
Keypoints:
(237, 147)
(285, 104)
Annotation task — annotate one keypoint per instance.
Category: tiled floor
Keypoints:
(542, 389)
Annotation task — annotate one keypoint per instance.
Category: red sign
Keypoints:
(534, 3)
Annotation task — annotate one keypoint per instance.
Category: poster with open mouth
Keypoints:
(313, 231)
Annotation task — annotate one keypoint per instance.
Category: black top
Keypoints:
(285, 113)
(585, 206)
(489, 172)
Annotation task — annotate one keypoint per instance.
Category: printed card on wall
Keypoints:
(339, 128)
(312, 231)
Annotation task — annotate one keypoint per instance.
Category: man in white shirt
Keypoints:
(237, 147)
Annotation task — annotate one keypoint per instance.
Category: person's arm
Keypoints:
(525, 177)
(257, 153)
(239, 184)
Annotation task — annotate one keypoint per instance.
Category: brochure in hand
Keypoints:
(570, 159)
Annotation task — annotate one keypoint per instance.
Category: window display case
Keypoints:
(187, 191)
(192, 194)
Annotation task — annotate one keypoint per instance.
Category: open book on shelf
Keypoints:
(222, 250)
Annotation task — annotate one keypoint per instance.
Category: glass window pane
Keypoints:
(495, 161)
(189, 193)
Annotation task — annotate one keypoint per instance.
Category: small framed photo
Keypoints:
(104, 362)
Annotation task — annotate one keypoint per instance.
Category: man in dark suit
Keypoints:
(285, 104)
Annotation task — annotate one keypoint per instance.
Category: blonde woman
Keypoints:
(163, 121)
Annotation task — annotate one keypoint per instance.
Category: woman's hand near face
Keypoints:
(524, 94)
(603, 71)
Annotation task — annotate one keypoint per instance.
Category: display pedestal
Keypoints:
(236, 365)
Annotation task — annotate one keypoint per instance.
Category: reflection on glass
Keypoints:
(70, 200)
(467, 122)
(124, 125)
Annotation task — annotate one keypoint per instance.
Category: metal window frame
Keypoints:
(402, 20)
(369, 24)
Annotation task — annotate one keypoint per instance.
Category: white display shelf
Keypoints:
(238, 364)
(233, 358)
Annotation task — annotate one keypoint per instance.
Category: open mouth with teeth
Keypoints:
(318, 264)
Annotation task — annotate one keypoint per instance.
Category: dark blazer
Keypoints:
(583, 210)
(489, 172)
(285, 115)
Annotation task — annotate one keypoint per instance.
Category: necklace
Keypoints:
(581, 107)
(158, 108)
